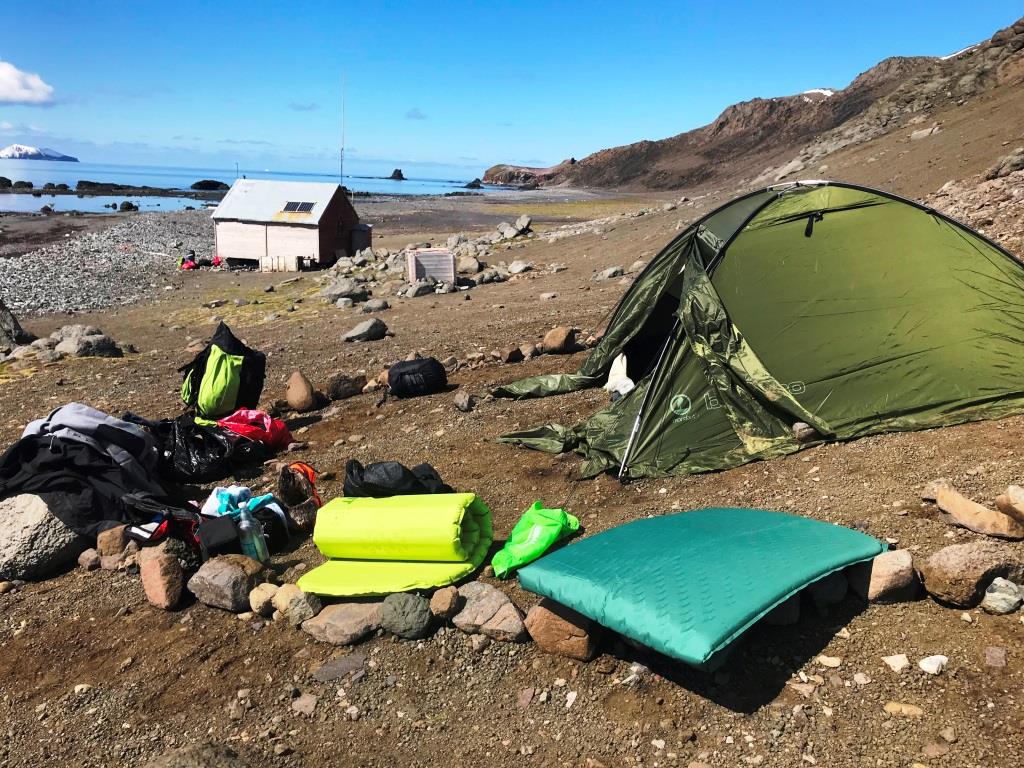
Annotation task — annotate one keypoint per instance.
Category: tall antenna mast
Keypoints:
(341, 154)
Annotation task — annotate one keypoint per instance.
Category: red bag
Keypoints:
(258, 426)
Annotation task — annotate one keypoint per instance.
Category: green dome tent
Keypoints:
(851, 310)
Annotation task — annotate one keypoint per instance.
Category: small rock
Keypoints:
(295, 605)
(933, 665)
(958, 574)
(934, 749)
(562, 631)
(444, 603)
(519, 266)
(112, 541)
(225, 582)
(339, 667)
(609, 273)
(831, 662)
(995, 656)
(889, 577)
(861, 679)
(490, 612)
(376, 305)
(300, 393)
(89, 560)
(406, 615)
(344, 623)
(896, 708)
(464, 401)
(163, 580)
(342, 386)
(804, 433)
(479, 643)
(305, 704)
(1001, 597)
(897, 663)
(948, 734)
(368, 330)
(558, 341)
(548, 296)
(261, 599)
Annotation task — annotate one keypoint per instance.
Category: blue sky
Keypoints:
(439, 88)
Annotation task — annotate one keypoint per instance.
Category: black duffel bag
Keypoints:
(412, 378)
(389, 478)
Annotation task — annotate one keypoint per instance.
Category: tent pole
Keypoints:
(643, 403)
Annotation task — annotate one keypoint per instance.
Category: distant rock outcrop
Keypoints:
(210, 185)
(474, 184)
(396, 175)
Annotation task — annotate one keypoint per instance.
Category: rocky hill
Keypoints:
(766, 140)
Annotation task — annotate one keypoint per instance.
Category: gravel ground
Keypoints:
(117, 266)
(163, 679)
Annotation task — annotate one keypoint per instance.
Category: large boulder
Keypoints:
(80, 340)
(33, 543)
(960, 573)
(11, 332)
(490, 612)
(226, 581)
(344, 623)
(562, 631)
(1007, 164)
(368, 330)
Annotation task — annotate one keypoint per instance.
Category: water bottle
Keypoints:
(250, 532)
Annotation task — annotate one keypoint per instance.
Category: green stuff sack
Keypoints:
(224, 377)
(535, 533)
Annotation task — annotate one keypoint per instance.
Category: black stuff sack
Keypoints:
(389, 478)
(412, 378)
(218, 536)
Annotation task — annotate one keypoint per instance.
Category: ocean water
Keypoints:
(39, 172)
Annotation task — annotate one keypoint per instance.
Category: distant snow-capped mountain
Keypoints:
(24, 152)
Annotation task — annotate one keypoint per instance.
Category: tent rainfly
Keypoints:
(845, 308)
(284, 226)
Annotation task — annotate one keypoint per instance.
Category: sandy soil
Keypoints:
(163, 679)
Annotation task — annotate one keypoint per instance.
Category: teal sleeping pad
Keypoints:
(689, 584)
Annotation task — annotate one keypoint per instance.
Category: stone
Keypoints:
(897, 663)
(828, 590)
(887, 578)
(832, 662)
(924, 133)
(548, 296)
(89, 559)
(299, 392)
(295, 605)
(464, 401)
(804, 433)
(948, 735)
(11, 332)
(445, 602)
(204, 755)
(609, 273)
(1011, 503)
(958, 574)
(785, 613)
(406, 615)
(344, 303)
(529, 351)
(225, 582)
(344, 288)
(92, 345)
(163, 580)
(933, 665)
(976, 517)
(479, 643)
(995, 656)
(468, 265)
(559, 341)
(344, 623)
(376, 305)
(510, 355)
(562, 631)
(368, 330)
(637, 266)
(112, 541)
(111, 562)
(339, 667)
(519, 266)
(523, 223)
(1007, 165)
(418, 289)
(1001, 597)
(490, 612)
(899, 709)
(342, 386)
(34, 544)
(305, 704)
(261, 599)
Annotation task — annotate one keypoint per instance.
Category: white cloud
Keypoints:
(415, 114)
(17, 87)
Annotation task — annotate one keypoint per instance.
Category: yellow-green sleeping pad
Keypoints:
(396, 544)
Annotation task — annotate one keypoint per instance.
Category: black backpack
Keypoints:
(389, 478)
(412, 378)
